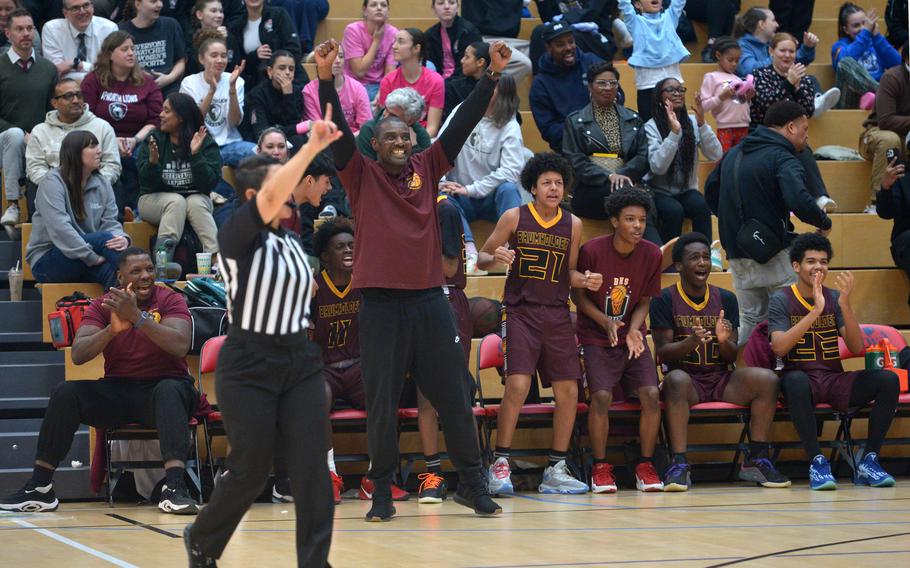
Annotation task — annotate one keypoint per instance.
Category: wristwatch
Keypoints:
(143, 317)
(495, 75)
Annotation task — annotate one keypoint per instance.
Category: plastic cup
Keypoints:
(204, 263)
(15, 285)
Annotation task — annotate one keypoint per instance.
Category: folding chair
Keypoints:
(212, 424)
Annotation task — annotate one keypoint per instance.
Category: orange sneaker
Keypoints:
(337, 487)
(432, 488)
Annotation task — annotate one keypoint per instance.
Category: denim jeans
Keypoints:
(233, 152)
(54, 266)
(489, 208)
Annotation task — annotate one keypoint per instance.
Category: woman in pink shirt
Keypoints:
(368, 46)
(410, 52)
(355, 102)
(719, 94)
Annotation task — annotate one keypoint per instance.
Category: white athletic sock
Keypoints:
(331, 456)
(470, 249)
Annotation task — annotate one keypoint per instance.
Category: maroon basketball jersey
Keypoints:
(686, 315)
(452, 234)
(817, 349)
(334, 313)
(540, 272)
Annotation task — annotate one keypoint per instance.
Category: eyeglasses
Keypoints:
(674, 90)
(69, 97)
(608, 84)
(87, 7)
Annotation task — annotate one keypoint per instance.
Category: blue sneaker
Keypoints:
(869, 472)
(557, 479)
(499, 478)
(820, 478)
(677, 478)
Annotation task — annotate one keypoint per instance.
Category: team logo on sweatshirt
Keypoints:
(117, 110)
(414, 182)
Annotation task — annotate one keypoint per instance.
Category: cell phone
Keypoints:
(892, 153)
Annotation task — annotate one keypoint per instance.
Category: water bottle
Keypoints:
(160, 263)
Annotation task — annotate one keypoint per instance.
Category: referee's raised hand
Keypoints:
(325, 54)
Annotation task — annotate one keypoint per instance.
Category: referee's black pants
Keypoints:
(267, 386)
(414, 331)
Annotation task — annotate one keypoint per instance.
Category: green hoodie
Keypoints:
(198, 175)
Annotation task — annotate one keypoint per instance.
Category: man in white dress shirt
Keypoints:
(73, 42)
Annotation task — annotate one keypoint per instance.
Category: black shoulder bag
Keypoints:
(754, 238)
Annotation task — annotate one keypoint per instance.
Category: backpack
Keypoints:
(185, 251)
(66, 319)
(206, 300)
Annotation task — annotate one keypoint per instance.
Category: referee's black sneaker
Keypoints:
(177, 501)
(382, 509)
(198, 558)
(31, 499)
(477, 499)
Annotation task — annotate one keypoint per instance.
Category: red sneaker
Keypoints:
(646, 478)
(367, 487)
(602, 480)
(337, 487)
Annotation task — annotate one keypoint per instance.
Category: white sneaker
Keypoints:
(870, 209)
(621, 33)
(470, 266)
(825, 101)
(500, 478)
(11, 215)
(328, 212)
(826, 204)
(557, 479)
(717, 259)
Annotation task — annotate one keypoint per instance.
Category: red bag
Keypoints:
(65, 321)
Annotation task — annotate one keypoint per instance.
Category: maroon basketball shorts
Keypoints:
(605, 367)
(540, 338)
(710, 386)
(463, 320)
(346, 383)
(832, 387)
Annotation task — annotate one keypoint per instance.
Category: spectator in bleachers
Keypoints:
(410, 53)
(70, 113)
(273, 142)
(592, 24)
(795, 16)
(896, 14)
(657, 50)
(368, 46)
(484, 182)
(43, 10)
(448, 40)
(159, 45)
(473, 65)
(674, 138)
(75, 234)
(355, 101)
(861, 56)
(804, 322)
(754, 29)
(406, 104)
(306, 15)
(559, 89)
(120, 92)
(26, 85)
(209, 15)
(220, 96)
(893, 202)
(179, 166)
(719, 15)
(606, 144)
(6, 8)
(264, 30)
(889, 124)
(143, 331)
(720, 96)
(275, 102)
(73, 42)
(765, 172)
(501, 21)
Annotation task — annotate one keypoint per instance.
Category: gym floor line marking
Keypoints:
(77, 545)
(143, 525)
(812, 547)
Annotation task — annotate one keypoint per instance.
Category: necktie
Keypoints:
(24, 63)
(81, 51)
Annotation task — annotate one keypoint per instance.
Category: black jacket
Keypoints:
(462, 34)
(499, 18)
(458, 87)
(275, 29)
(583, 137)
(895, 204)
(266, 106)
(896, 18)
(772, 183)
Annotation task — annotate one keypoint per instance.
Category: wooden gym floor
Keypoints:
(712, 525)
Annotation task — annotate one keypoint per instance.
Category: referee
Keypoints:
(406, 323)
(269, 377)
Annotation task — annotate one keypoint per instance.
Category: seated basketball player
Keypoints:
(804, 321)
(694, 329)
(539, 243)
(611, 330)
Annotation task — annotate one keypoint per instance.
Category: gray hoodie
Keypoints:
(43, 150)
(55, 225)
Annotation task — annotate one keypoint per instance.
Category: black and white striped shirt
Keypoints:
(266, 275)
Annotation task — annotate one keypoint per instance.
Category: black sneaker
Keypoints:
(707, 54)
(281, 491)
(31, 499)
(432, 488)
(477, 499)
(198, 558)
(763, 472)
(177, 501)
(677, 478)
(382, 509)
